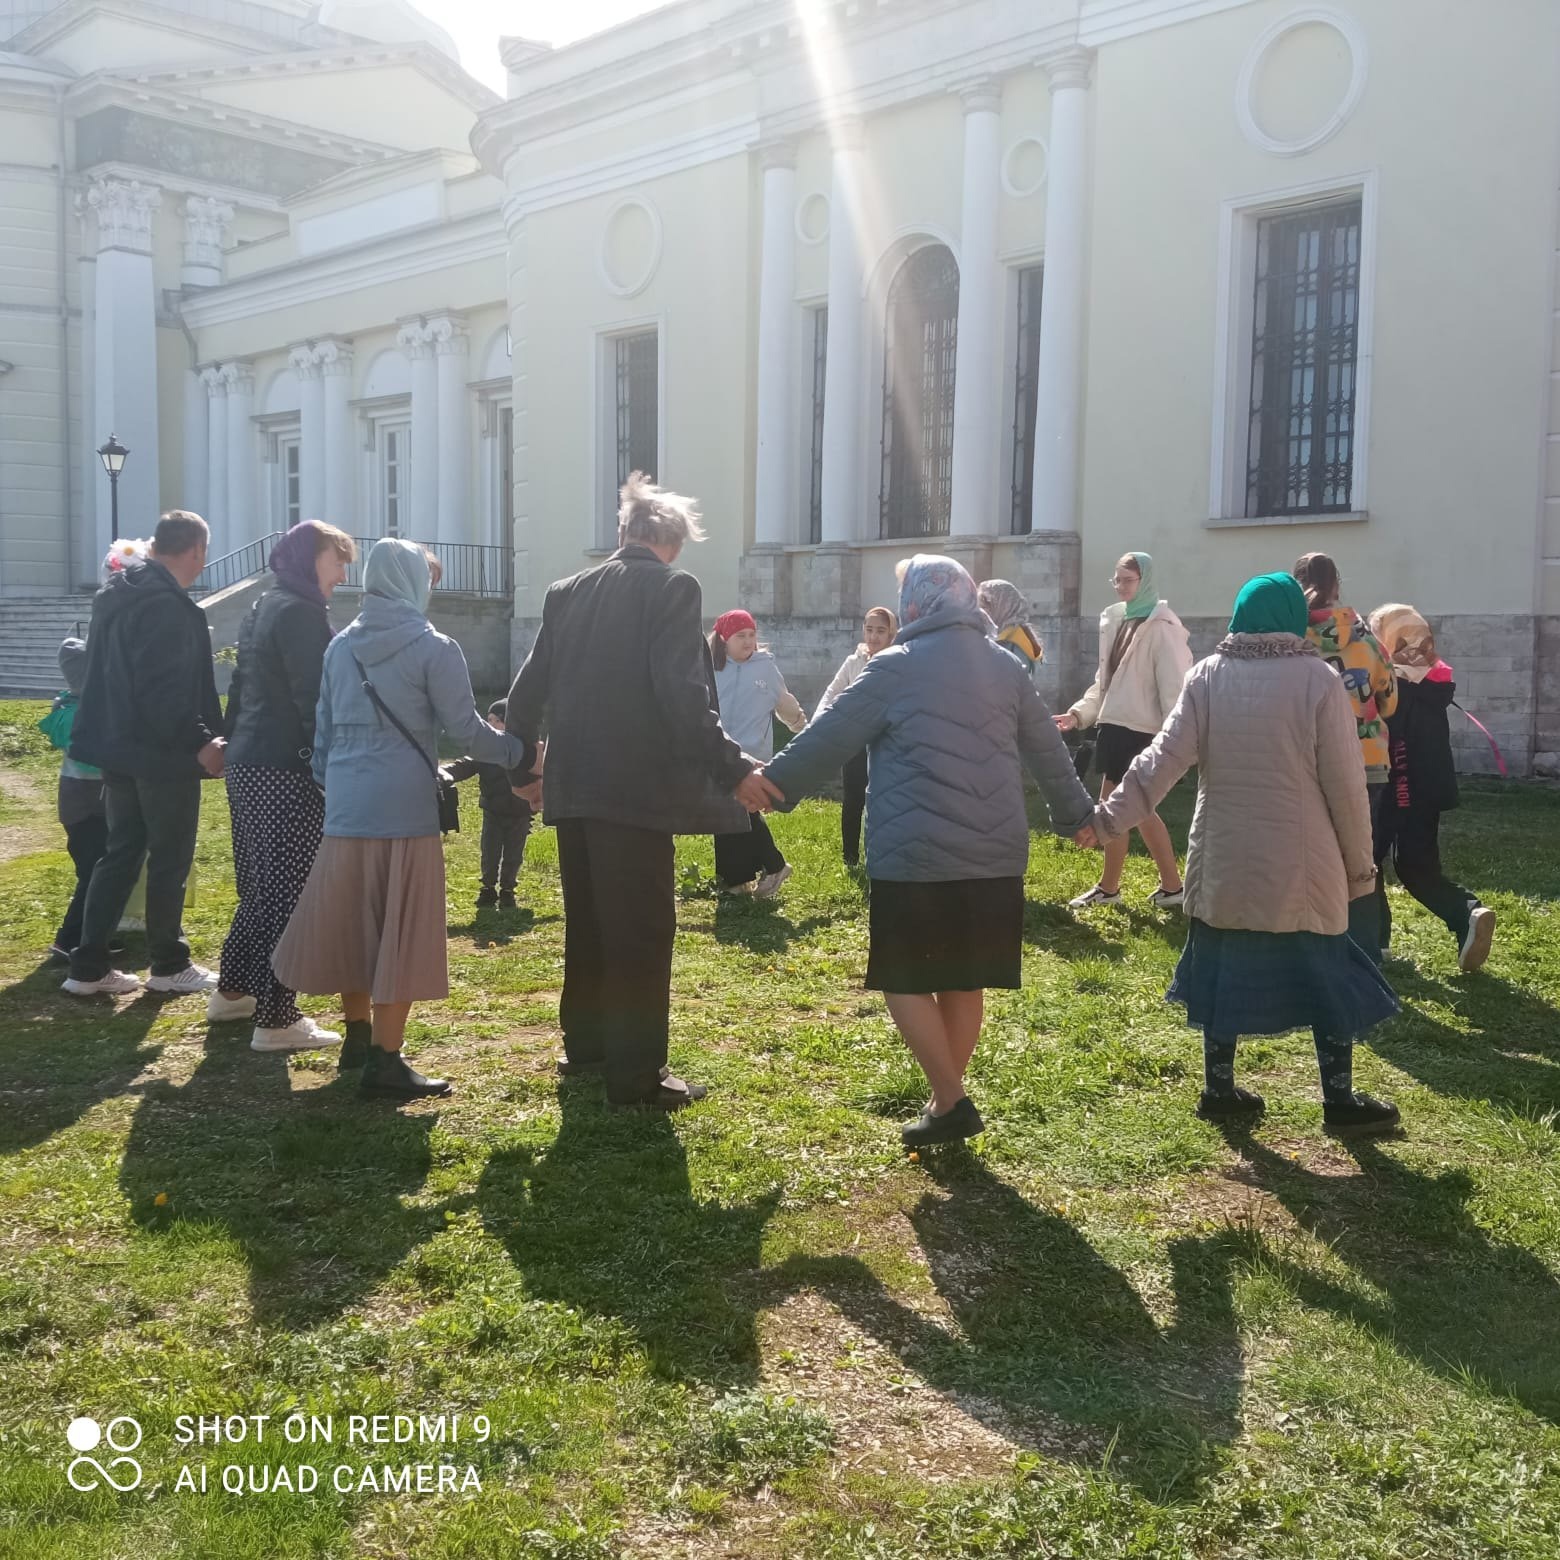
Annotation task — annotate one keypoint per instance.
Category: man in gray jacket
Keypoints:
(635, 755)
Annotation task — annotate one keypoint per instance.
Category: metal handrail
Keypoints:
(467, 568)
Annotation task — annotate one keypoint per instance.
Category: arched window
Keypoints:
(921, 333)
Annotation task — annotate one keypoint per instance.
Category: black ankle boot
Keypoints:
(1231, 1106)
(1360, 1115)
(487, 898)
(358, 1043)
(389, 1076)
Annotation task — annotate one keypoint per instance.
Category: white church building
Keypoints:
(1033, 282)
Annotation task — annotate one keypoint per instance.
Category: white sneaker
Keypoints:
(769, 884)
(226, 1010)
(131, 923)
(192, 981)
(1476, 945)
(114, 984)
(1095, 896)
(304, 1035)
(741, 888)
(1168, 899)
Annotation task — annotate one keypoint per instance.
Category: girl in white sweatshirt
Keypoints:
(877, 633)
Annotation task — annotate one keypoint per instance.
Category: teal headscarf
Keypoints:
(398, 569)
(1271, 604)
(1146, 597)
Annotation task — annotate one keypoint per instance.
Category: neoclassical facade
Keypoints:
(1034, 282)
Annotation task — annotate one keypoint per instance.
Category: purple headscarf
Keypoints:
(292, 561)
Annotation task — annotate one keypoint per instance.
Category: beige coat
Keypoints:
(1281, 835)
(1147, 682)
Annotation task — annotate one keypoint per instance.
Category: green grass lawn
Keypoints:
(757, 1329)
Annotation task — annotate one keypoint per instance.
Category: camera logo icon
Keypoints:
(123, 1435)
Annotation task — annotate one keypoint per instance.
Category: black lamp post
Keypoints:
(113, 455)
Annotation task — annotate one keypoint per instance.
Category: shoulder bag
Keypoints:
(447, 796)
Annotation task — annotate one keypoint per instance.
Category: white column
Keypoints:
(311, 432)
(242, 524)
(89, 551)
(842, 432)
(341, 452)
(774, 479)
(125, 352)
(1059, 382)
(452, 345)
(416, 341)
(216, 511)
(977, 440)
(194, 494)
(205, 224)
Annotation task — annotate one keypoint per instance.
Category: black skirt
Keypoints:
(1114, 749)
(958, 936)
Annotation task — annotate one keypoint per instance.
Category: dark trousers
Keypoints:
(739, 858)
(854, 776)
(150, 821)
(86, 841)
(1412, 837)
(503, 848)
(1365, 926)
(620, 920)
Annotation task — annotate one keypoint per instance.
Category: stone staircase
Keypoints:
(31, 628)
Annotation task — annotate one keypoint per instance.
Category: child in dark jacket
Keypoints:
(506, 821)
(1422, 784)
(81, 810)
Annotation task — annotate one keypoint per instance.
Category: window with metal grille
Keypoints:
(1300, 449)
(1025, 372)
(921, 332)
(636, 360)
(820, 345)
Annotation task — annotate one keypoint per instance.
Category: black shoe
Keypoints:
(953, 1126)
(853, 859)
(487, 898)
(389, 1076)
(673, 1094)
(568, 1069)
(506, 899)
(356, 1046)
(1230, 1107)
(1360, 1116)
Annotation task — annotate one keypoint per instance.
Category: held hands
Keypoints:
(1087, 838)
(1065, 722)
(758, 794)
(213, 757)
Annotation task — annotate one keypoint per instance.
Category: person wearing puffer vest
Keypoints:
(1145, 654)
(1422, 784)
(949, 721)
(750, 692)
(1280, 845)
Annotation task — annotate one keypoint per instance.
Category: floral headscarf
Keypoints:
(121, 555)
(932, 583)
(1407, 638)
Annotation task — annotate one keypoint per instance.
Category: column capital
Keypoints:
(303, 361)
(981, 96)
(334, 356)
(449, 334)
(211, 378)
(238, 378)
(206, 222)
(124, 213)
(779, 153)
(415, 339)
(1070, 69)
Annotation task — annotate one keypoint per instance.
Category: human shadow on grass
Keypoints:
(1482, 1312)
(1508, 1054)
(1069, 935)
(1054, 1348)
(605, 1221)
(312, 1184)
(63, 1056)
(762, 925)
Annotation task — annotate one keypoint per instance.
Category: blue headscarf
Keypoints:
(398, 569)
(933, 583)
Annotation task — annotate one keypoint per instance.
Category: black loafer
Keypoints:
(673, 1094)
(953, 1126)
(1361, 1116)
(1230, 1107)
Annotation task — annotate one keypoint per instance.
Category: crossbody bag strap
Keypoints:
(390, 715)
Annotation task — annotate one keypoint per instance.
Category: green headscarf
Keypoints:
(1146, 597)
(398, 569)
(1271, 604)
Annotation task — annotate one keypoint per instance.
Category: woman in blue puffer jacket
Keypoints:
(949, 721)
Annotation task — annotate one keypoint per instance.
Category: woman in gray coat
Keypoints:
(949, 721)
